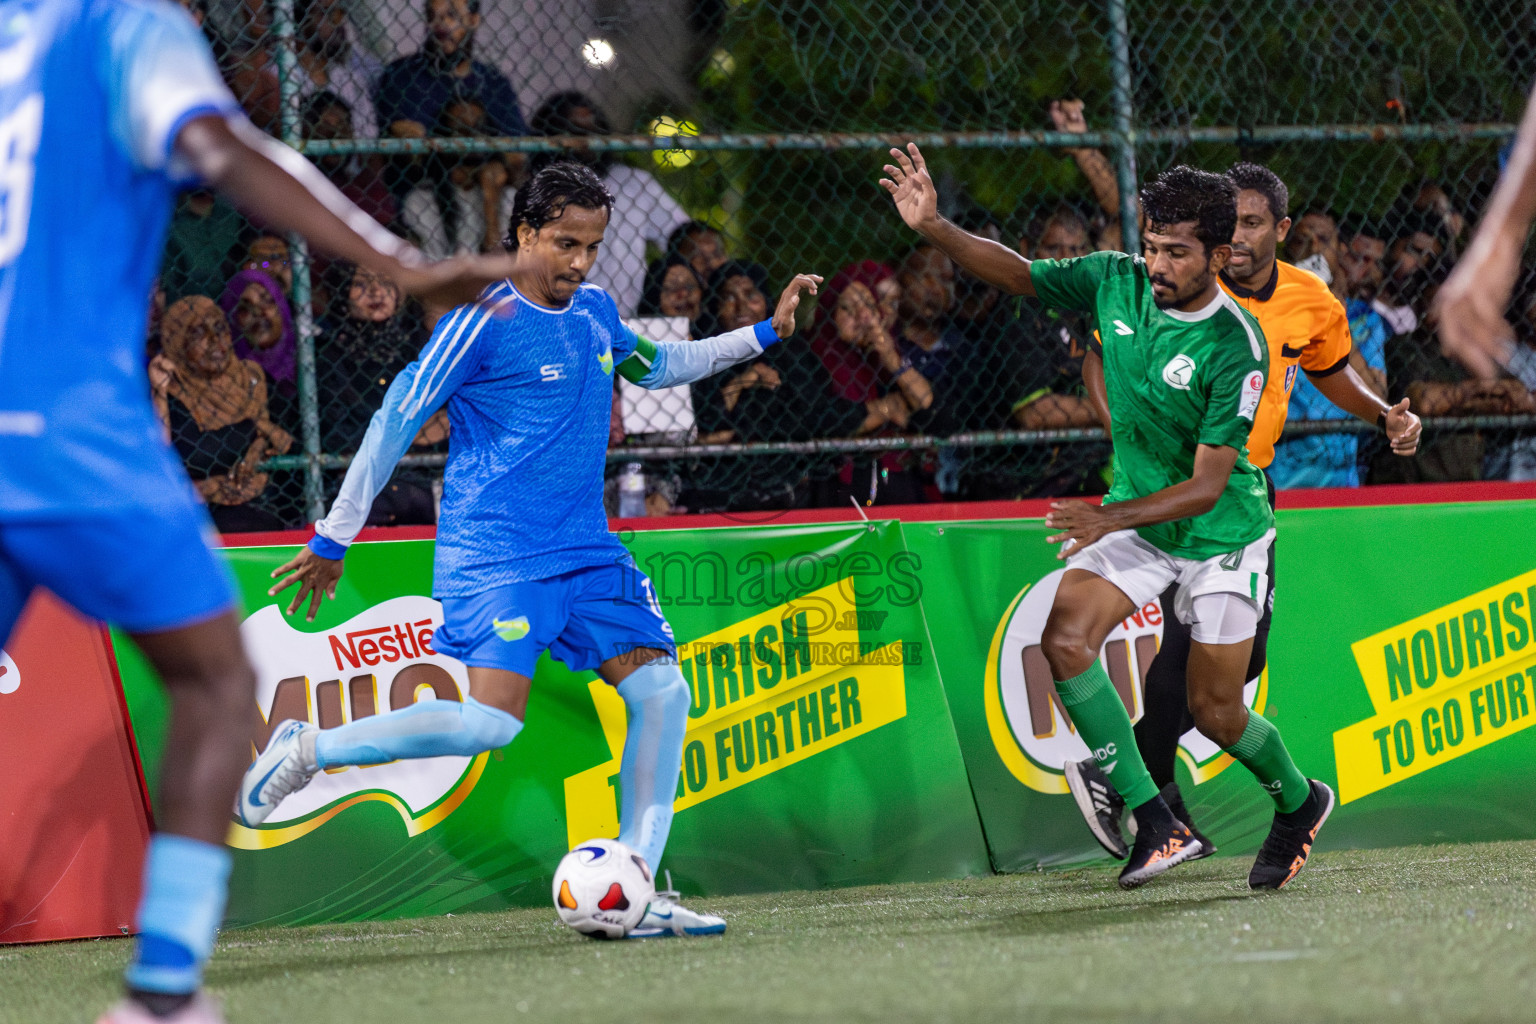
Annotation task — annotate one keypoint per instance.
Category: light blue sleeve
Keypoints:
(1373, 347)
(683, 362)
(413, 396)
(159, 75)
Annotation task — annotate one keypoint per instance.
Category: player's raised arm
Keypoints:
(285, 191)
(1472, 301)
(917, 201)
(661, 364)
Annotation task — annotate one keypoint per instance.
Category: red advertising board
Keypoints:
(73, 819)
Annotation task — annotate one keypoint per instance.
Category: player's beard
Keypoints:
(1178, 298)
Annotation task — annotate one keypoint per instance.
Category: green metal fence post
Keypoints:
(288, 70)
(1125, 146)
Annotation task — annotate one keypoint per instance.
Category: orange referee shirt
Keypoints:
(1306, 328)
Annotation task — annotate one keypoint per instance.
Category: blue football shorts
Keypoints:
(582, 617)
(146, 571)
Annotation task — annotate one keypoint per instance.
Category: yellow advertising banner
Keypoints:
(768, 692)
(1443, 684)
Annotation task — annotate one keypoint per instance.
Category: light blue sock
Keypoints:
(429, 728)
(656, 696)
(185, 885)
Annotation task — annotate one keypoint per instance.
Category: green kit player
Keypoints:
(1181, 367)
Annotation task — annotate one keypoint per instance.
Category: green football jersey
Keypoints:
(1175, 381)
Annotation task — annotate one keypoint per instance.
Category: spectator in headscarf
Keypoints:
(261, 325)
(784, 396)
(672, 289)
(854, 339)
(214, 407)
(736, 297)
(854, 344)
(359, 354)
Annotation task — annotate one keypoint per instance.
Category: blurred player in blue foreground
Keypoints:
(106, 108)
(524, 559)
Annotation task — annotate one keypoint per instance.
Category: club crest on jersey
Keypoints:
(1180, 372)
(1253, 390)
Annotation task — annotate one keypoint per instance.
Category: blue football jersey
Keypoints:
(92, 96)
(529, 392)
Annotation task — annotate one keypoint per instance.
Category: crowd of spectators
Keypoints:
(906, 346)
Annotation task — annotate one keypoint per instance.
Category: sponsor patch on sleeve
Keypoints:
(1253, 390)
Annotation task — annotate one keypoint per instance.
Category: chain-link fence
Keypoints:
(743, 140)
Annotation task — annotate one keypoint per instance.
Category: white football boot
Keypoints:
(665, 917)
(285, 766)
(201, 1010)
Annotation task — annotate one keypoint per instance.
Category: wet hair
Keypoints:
(1260, 179)
(1183, 194)
(550, 191)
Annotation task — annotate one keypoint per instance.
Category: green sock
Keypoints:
(1262, 751)
(1101, 721)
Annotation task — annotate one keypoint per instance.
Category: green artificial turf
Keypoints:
(1442, 933)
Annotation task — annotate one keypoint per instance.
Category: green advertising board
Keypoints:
(869, 704)
(1402, 672)
(820, 750)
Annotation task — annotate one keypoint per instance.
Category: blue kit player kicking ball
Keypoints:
(524, 559)
(107, 107)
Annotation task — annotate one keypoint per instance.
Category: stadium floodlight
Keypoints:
(598, 53)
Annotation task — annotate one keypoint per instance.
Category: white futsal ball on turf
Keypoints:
(602, 888)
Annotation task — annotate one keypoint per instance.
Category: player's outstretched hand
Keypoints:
(1080, 524)
(1470, 309)
(789, 301)
(912, 188)
(1403, 429)
(455, 281)
(316, 577)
